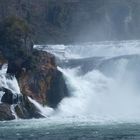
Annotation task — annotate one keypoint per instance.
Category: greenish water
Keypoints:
(44, 130)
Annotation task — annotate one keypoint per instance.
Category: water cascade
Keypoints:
(9, 87)
(45, 111)
(8, 81)
(109, 91)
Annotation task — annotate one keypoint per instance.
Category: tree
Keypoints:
(14, 35)
(15, 43)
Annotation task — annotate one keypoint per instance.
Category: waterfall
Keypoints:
(100, 97)
(13, 111)
(108, 92)
(1, 94)
(90, 49)
(45, 111)
(8, 81)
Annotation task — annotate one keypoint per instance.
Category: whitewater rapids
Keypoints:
(108, 92)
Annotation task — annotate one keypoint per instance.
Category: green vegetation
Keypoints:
(66, 21)
(14, 34)
(16, 44)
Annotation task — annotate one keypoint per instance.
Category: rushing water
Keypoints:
(105, 98)
(8, 81)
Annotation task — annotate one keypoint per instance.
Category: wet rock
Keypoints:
(36, 71)
(27, 110)
(58, 89)
(5, 112)
(9, 97)
(45, 83)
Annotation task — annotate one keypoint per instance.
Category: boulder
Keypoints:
(9, 97)
(5, 112)
(36, 71)
(27, 110)
(45, 83)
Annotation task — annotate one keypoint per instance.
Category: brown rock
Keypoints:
(45, 83)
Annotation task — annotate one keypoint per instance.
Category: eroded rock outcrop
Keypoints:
(9, 97)
(45, 83)
(27, 110)
(5, 112)
(36, 71)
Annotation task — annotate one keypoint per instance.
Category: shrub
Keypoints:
(14, 33)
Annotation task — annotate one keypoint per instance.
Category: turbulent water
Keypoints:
(103, 80)
(8, 81)
(107, 91)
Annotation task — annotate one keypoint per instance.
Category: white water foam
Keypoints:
(83, 50)
(97, 95)
(44, 111)
(7, 81)
(14, 112)
(1, 94)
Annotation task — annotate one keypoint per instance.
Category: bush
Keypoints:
(14, 33)
(16, 44)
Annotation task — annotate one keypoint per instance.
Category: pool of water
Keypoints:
(44, 130)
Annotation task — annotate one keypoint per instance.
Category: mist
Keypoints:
(101, 21)
(103, 83)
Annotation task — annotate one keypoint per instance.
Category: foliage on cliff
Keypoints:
(63, 21)
(36, 71)
(14, 33)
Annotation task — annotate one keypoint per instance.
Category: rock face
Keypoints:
(21, 104)
(36, 71)
(5, 112)
(45, 83)
(9, 97)
(27, 110)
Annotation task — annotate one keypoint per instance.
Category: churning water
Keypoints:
(103, 80)
(107, 91)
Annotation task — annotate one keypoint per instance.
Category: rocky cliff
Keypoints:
(45, 84)
(35, 71)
